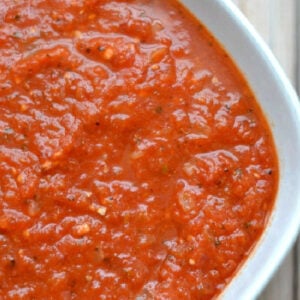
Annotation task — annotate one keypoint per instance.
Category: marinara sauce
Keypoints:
(135, 162)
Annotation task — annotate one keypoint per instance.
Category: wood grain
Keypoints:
(275, 20)
(278, 22)
(297, 249)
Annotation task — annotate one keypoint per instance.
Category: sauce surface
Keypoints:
(135, 162)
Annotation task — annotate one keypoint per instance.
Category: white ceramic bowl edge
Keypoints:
(282, 109)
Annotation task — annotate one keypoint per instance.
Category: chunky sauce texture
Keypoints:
(135, 162)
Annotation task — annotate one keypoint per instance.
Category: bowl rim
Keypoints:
(232, 17)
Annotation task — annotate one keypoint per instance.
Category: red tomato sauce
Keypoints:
(135, 162)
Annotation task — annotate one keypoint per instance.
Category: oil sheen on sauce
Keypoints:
(135, 162)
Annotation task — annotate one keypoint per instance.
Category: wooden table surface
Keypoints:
(278, 22)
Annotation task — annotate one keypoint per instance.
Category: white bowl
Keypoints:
(281, 107)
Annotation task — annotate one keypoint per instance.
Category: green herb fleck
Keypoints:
(227, 106)
(165, 169)
(247, 225)
(269, 171)
(17, 35)
(217, 242)
(238, 173)
(8, 130)
(12, 262)
(158, 109)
